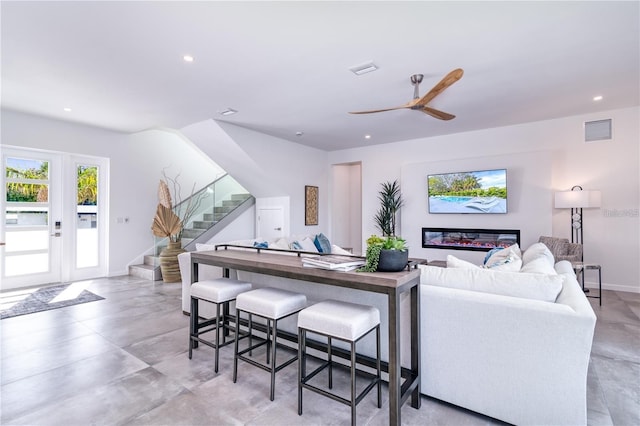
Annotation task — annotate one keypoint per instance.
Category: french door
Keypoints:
(53, 222)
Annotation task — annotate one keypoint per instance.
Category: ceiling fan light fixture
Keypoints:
(228, 111)
(364, 68)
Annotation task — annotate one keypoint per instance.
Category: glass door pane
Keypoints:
(26, 216)
(87, 236)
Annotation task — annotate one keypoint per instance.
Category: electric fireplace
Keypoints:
(468, 238)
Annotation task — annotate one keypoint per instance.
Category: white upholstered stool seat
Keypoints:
(220, 292)
(344, 321)
(272, 304)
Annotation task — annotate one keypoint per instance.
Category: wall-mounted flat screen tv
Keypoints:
(482, 191)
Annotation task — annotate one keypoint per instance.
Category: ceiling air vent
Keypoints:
(597, 130)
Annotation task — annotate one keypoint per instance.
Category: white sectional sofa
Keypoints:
(520, 360)
(511, 345)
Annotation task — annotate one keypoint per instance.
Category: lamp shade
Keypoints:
(577, 199)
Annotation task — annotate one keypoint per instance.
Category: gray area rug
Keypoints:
(41, 300)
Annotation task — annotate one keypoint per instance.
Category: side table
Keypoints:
(581, 269)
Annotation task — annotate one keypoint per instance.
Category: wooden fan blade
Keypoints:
(408, 105)
(447, 81)
(437, 114)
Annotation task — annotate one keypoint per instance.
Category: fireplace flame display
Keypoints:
(469, 239)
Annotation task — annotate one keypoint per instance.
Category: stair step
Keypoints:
(147, 272)
(240, 196)
(231, 203)
(202, 224)
(151, 260)
(192, 233)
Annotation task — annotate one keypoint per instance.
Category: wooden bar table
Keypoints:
(403, 383)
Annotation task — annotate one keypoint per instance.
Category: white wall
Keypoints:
(136, 163)
(528, 188)
(612, 233)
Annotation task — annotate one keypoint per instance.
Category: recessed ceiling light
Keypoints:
(364, 68)
(67, 109)
(597, 98)
(367, 136)
(299, 133)
(228, 111)
(188, 58)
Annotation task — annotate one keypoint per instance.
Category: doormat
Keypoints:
(29, 301)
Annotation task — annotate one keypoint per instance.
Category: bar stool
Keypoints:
(272, 304)
(219, 291)
(344, 321)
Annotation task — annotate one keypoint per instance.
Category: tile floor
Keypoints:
(123, 360)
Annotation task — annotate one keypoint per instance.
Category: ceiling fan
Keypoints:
(420, 103)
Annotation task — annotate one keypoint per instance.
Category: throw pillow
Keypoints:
(454, 262)
(322, 243)
(280, 243)
(339, 250)
(535, 251)
(295, 245)
(261, 244)
(539, 265)
(308, 245)
(511, 263)
(491, 253)
(500, 257)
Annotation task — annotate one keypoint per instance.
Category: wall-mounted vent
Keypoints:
(598, 130)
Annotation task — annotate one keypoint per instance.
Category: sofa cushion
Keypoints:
(515, 284)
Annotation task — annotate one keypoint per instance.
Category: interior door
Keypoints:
(270, 223)
(31, 225)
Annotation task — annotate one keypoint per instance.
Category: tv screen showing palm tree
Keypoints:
(482, 191)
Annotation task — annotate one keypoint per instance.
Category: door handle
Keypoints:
(57, 234)
(277, 229)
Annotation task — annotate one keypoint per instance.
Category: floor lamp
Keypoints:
(576, 200)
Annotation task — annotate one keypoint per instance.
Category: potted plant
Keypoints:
(388, 253)
(385, 254)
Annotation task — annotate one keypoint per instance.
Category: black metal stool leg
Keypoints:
(235, 346)
(273, 358)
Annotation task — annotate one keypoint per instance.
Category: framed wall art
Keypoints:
(310, 205)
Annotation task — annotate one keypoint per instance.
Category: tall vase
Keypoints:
(169, 262)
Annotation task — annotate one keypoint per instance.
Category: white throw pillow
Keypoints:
(339, 250)
(514, 284)
(454, 262)
(308, 245)
(205, 247)
(535, 251)
(280, 243)
(539, 265)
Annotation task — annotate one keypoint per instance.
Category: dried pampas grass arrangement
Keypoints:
(166, 222)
